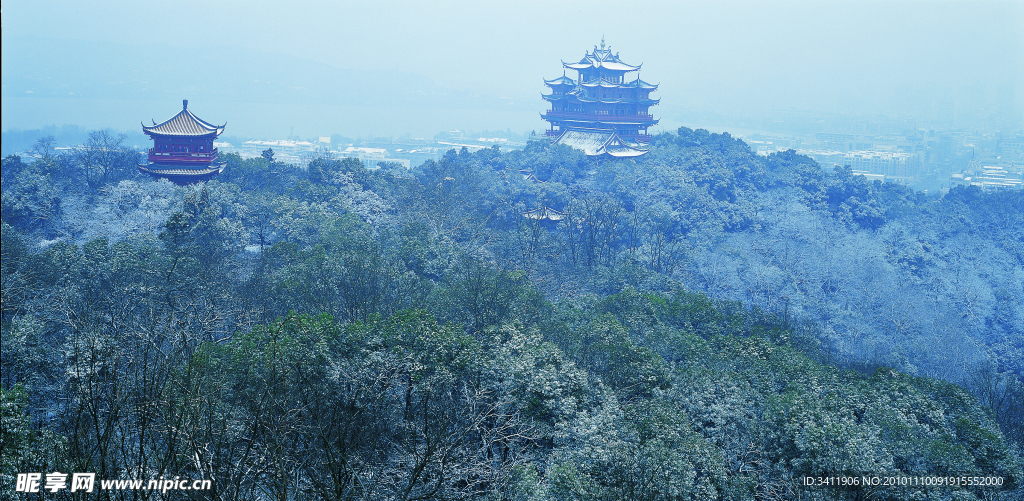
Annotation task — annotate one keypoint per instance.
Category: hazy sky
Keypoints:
(363, 68)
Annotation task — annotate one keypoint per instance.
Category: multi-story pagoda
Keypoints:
(183, 149)
(603, 111)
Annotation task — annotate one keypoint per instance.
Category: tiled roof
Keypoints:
(544, 213)
(184, 124)
(640, 84)
(601, 58)
(598, 143)
(562, 80)
(601, 82)
(148, 169)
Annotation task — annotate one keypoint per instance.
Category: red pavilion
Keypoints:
(183, 149)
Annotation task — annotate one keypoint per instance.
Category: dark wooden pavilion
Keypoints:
(183, 149)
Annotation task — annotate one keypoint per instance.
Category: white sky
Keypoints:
(734, 57)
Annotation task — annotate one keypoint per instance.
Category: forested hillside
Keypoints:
(700, 323)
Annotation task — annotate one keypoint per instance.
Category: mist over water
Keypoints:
(384, 69)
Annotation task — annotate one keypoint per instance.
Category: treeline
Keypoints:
(144, 360)
(686, 330)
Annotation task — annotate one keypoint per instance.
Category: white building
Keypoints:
(372, 157)
(285, 150)
(896, 167)
(988, 177)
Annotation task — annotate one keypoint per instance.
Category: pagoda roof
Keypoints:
(544, 212)
(640, 84)
(618, 100)
(182, 176)
(529, 176)
(598, 143)
(601, 58)
(608, 65)
(601, 82)
(604, 83)
(562, 80)
(183, 124)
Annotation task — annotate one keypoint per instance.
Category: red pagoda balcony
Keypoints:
(594, 117)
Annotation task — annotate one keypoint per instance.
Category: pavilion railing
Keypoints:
(183, 155)
(636, 138)
(597, 117)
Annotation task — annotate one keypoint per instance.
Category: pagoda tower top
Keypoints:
(602, 59)
(183, 124)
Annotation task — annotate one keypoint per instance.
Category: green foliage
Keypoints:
(22, 448)
(644, 451)
(479, 296)
(606, 350)
(16, 273)
(339, 333)
(15, 435)
(31, 197)
(546, 387)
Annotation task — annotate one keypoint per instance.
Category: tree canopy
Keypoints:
(701, 323)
